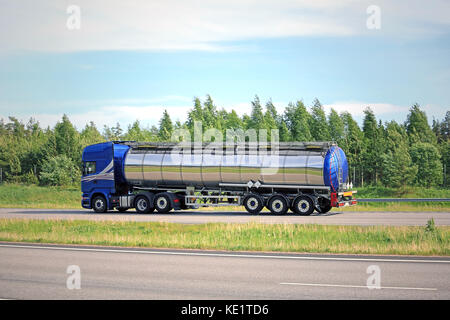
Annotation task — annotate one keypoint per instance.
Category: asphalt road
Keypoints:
(197, 217)
(30, 271)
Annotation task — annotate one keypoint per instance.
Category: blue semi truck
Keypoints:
(300, 177)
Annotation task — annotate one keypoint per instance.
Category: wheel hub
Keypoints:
(277, 205)
(252, 203)
(142, 204)
(162, 203)
(303, 205)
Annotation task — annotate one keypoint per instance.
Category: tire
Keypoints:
(162, 203)
(324, 209)
(142, 205)
(253, 203)
(121, 209)
(303, 205)
(278, 205)
(99, 204)
(324, 205)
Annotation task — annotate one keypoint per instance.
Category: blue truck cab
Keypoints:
(102, 179)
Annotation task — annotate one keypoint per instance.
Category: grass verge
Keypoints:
(426, 240)
(32, 196)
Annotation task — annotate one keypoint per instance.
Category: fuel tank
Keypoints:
(304, 164)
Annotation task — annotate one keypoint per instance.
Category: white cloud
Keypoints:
(111, 112)
(110, 115)
(204, 25)
(385, 111)
(357, 108)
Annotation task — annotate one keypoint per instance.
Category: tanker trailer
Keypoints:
(301, 177)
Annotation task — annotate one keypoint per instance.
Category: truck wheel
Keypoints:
(162, 203)
(278, 205)
(303, 205)
(253, 203)
(142, 204)
(324, 209)
(324, 205)
(99, 204)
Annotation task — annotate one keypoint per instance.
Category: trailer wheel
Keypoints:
(324, 209)
(142, 204)
(253, 203)
(323, 205)
(303, 205)
(99, 204)
(278, 205)
(162, 203)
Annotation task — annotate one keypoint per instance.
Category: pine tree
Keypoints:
(165, 127)
(445, 127)
(445, 151)
(270, 108)
(318, 122)
(209, 114)
(90, 135)
(442, 129)
(396, 164)
(427, 158)
(67, 139)
(270, 119)
(196, 114)
(373, 146)
(232, 121)
(297, 120)
(135, 132)
(417, 126)
(336, 127)
(353, 145)
(257, 116)
(285, 136)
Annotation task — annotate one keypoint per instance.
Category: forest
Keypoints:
(387, 154)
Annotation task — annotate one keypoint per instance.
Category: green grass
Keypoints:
(32, 196)
(234, 237)
(408, 192)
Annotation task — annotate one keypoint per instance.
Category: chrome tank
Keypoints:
(161, 167)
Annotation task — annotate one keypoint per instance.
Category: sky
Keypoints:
(118, 61)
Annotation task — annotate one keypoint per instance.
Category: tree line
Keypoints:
(389, 154)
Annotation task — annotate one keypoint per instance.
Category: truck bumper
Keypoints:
(86, 202)
(343, 199)
(347, 203)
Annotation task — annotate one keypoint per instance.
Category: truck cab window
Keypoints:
(88, 167)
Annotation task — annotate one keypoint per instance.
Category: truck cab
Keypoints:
(101, 176)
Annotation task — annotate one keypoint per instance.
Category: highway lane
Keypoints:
(30, 271)
(197, 217)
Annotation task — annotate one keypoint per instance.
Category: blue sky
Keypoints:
(132, 62)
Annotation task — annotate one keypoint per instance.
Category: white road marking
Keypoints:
(352, 286)
(222, 254)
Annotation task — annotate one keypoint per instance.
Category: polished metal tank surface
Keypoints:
(211, 169)
(133, 167)
(154, 167)
(151, 168)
